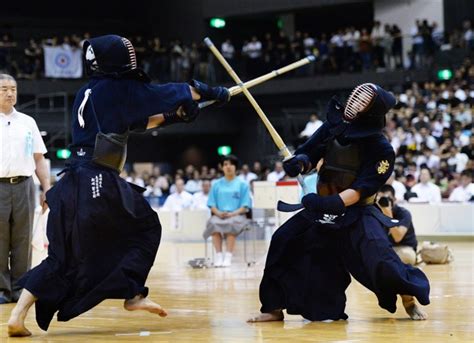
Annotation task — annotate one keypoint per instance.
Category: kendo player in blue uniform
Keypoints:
(103, 234)
(340, 232)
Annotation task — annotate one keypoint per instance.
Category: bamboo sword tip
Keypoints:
(208, 42)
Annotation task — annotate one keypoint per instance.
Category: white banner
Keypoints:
(62, 63)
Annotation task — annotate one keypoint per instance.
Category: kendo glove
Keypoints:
(220, 94)
(187, 113)
(332, 204)
(299, 164)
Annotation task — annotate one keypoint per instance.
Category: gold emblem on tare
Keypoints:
(382, 166)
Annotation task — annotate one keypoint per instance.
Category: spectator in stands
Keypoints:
(457, 161)
(311, 126)
(246, 175)
(417, 45)
(365, 49)
(229, 200)
(228, 51)
(277, 174)
(469, 149)
(426, 190)
(468, 35)
(193, 185)
(465, 191)
(397, 46)
(253, 50)
(136, 179)
(201, 198)
(161, 181)
(399, 188)
(377, 36)
(403, 236)
(258, 170)
(179, 200)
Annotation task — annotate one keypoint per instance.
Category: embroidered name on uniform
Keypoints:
(382, 167)
(96, 185)
(328, 219)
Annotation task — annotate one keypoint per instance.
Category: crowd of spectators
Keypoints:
(376, 47)
(431, 129)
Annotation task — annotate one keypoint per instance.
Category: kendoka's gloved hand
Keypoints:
(187, 113)
(207, 92)
(332, 204)
(299, 164)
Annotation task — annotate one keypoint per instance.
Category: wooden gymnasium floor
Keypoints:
(211, 305)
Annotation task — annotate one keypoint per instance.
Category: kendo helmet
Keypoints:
(366, 108)
(113, 56)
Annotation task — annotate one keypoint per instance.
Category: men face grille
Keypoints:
(359, 101)
(131, 52)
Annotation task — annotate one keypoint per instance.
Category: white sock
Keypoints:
(227, 259)
(219, 259)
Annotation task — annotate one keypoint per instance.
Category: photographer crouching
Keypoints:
(402, 236)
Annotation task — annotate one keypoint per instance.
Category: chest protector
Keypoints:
(340, 167)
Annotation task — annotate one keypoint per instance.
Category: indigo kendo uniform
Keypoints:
(312, 256)
(103, 234)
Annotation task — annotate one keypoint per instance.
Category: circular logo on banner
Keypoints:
(62, 60)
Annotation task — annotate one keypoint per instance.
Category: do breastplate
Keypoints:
(340, 167)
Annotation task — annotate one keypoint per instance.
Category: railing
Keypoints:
(51, 114)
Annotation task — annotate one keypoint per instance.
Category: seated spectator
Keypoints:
(402, 236)
(179, 200)
(311, 126)
(258, 170)
(399, 187)
(161, 181)
(277, 174)
(457, 161)
(200, 198)
(229, 200)
(135, 179)
(193, 184)
(426, 191)
(246, 175)
(431, 160)
(465, 191)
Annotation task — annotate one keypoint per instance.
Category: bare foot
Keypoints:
(413, 310)
(274, 316)
(144, 304)
(16, 328)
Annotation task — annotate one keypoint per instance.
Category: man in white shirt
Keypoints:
(457, 160)
(246, 175)
(277, 174)
(425, 190)
(200, 198)
(228, 50)
(431, 160)
(179, 200)
(21, 155)
(311, 126)
(398, 187)
(465, 191)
